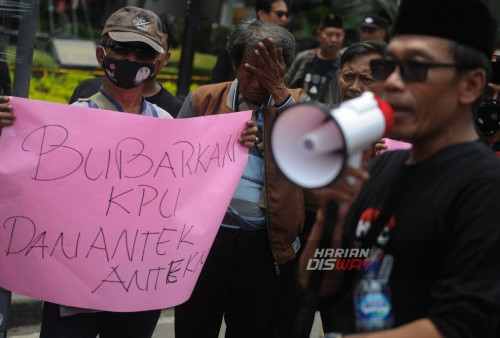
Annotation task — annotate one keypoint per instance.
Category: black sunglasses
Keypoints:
(141, 50)
(280, 14)
(409, 70)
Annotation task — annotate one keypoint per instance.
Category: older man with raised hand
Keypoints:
(429, 215)
(272, 11)
(248, 277)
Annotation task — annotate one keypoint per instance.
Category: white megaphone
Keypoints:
(311, 145)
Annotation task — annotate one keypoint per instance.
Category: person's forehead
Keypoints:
(425, 46)
(279, 6)
(371, 29)
(361, 62)
(249, 57)
(332, 30)
(138, 44)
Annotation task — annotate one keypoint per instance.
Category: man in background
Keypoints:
(374, 28)
(355, 78)
(316, 70)
(272, 11)
(355, 74)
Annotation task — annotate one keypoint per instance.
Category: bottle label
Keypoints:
(374, 306)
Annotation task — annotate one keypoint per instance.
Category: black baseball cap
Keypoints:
(375, 21)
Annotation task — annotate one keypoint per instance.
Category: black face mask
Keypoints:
(126, 74)
(488, 116)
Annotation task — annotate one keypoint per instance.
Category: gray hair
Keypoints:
(249, 33)
(362, 48)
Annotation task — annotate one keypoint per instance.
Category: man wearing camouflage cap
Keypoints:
(130, 44)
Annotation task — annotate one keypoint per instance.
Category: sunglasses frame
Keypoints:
(409, 70)
(124, 48)
(280, 14)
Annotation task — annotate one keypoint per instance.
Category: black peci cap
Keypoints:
(467, 22)
(331, 20)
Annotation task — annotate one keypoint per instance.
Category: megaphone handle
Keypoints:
(310, 297)
(354, 161)
(332, 210)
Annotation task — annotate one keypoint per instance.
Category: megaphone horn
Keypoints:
(311, 144)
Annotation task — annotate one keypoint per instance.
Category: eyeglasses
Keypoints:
(410, 71)
(280, 14)
(141, 50)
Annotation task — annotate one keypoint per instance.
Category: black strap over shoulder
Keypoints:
(102, 101)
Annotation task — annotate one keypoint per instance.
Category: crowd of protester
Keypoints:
(427, 214)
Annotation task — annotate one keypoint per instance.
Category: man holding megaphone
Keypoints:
(422, 236)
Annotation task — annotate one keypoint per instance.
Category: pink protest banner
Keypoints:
(395, 145)
(112, 211)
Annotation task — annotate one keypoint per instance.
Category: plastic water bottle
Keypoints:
(372, 296)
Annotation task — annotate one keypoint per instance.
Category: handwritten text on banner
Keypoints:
(112, 211)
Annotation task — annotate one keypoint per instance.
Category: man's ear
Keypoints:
(260, 14)
(99, 54)
(233, 64)
(472, 86)
(167, 58)
(318, 33)
(157, 65)
(384, 34)
(496, 90)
